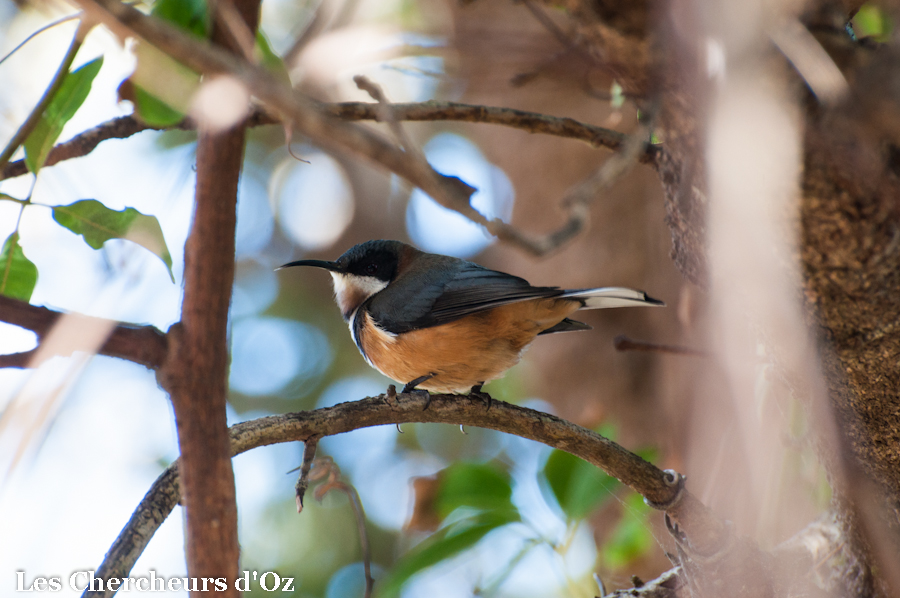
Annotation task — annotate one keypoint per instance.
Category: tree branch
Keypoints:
(305, 114)
(146, 345)
(531, 122)
(196, 371)
(82, 144)
(706, 534)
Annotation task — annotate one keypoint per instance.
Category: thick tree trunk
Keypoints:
(849, 246)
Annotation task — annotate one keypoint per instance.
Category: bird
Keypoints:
(446, 325)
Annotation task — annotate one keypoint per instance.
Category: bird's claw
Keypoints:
(477, 393)
(410, 387)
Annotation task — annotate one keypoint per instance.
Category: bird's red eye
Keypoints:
(371, 268)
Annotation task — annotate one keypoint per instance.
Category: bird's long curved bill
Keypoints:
(315, 264)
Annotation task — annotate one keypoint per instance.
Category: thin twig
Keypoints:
(623, 343)
(309, 32)
(309, 453)
(38, 111)
(304, 113)
(706, 533)
(327, 468)
(34, 34)
(231, 21)
(82, 144)
(561, 36)
(576, 202)
(569, 44)
(385, 111)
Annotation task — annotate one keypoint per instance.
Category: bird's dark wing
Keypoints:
(460, 290)
(477, 289)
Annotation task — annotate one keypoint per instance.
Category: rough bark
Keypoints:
(850, 230)
(196, 372)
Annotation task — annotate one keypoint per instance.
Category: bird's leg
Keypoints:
(477, 392)
(411, 387)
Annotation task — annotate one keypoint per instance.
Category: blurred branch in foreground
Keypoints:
(146, 345)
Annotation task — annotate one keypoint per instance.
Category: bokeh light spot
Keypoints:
(267, 353)
(350, 581)
(435, 228)
(315, 200)
(255, 222)
(255, 288)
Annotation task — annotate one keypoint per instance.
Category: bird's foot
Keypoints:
(477, 393)
(411, 388)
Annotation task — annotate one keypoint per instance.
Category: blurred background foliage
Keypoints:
(448, 514)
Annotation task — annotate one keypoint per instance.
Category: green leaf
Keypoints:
(577, 486)
(476, 486)
(71, 95)
(190, 15)
(153, 110)
(871, 21)
(160, 87)
(442, 545)
(97, 224)
(19, 274)
(270, 60)
(632, 537)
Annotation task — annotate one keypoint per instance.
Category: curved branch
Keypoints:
(146, 345)
(531, 122)
(707, 534)
(82, 144)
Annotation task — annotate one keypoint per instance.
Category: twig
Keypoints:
(623, 343)
(82, 144)
(550, 26)
(667, 585)
(37, 32)
(531, 122)
(577, 201)
(228, 17)
(38, 111)
(146, 345)
(310, 31)
(307, 115)
(569, 44)
(309, 453)
(386, 112)
(706, 533)
(153, 509)
(327, 468)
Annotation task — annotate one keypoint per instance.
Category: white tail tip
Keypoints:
(612, 297)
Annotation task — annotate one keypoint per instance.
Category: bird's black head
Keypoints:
(362, 271)
(377, 259)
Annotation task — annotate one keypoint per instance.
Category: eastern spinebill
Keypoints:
(448, 325)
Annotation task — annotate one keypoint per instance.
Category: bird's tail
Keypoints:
(611, 297)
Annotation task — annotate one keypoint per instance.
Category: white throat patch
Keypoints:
(351, 290)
